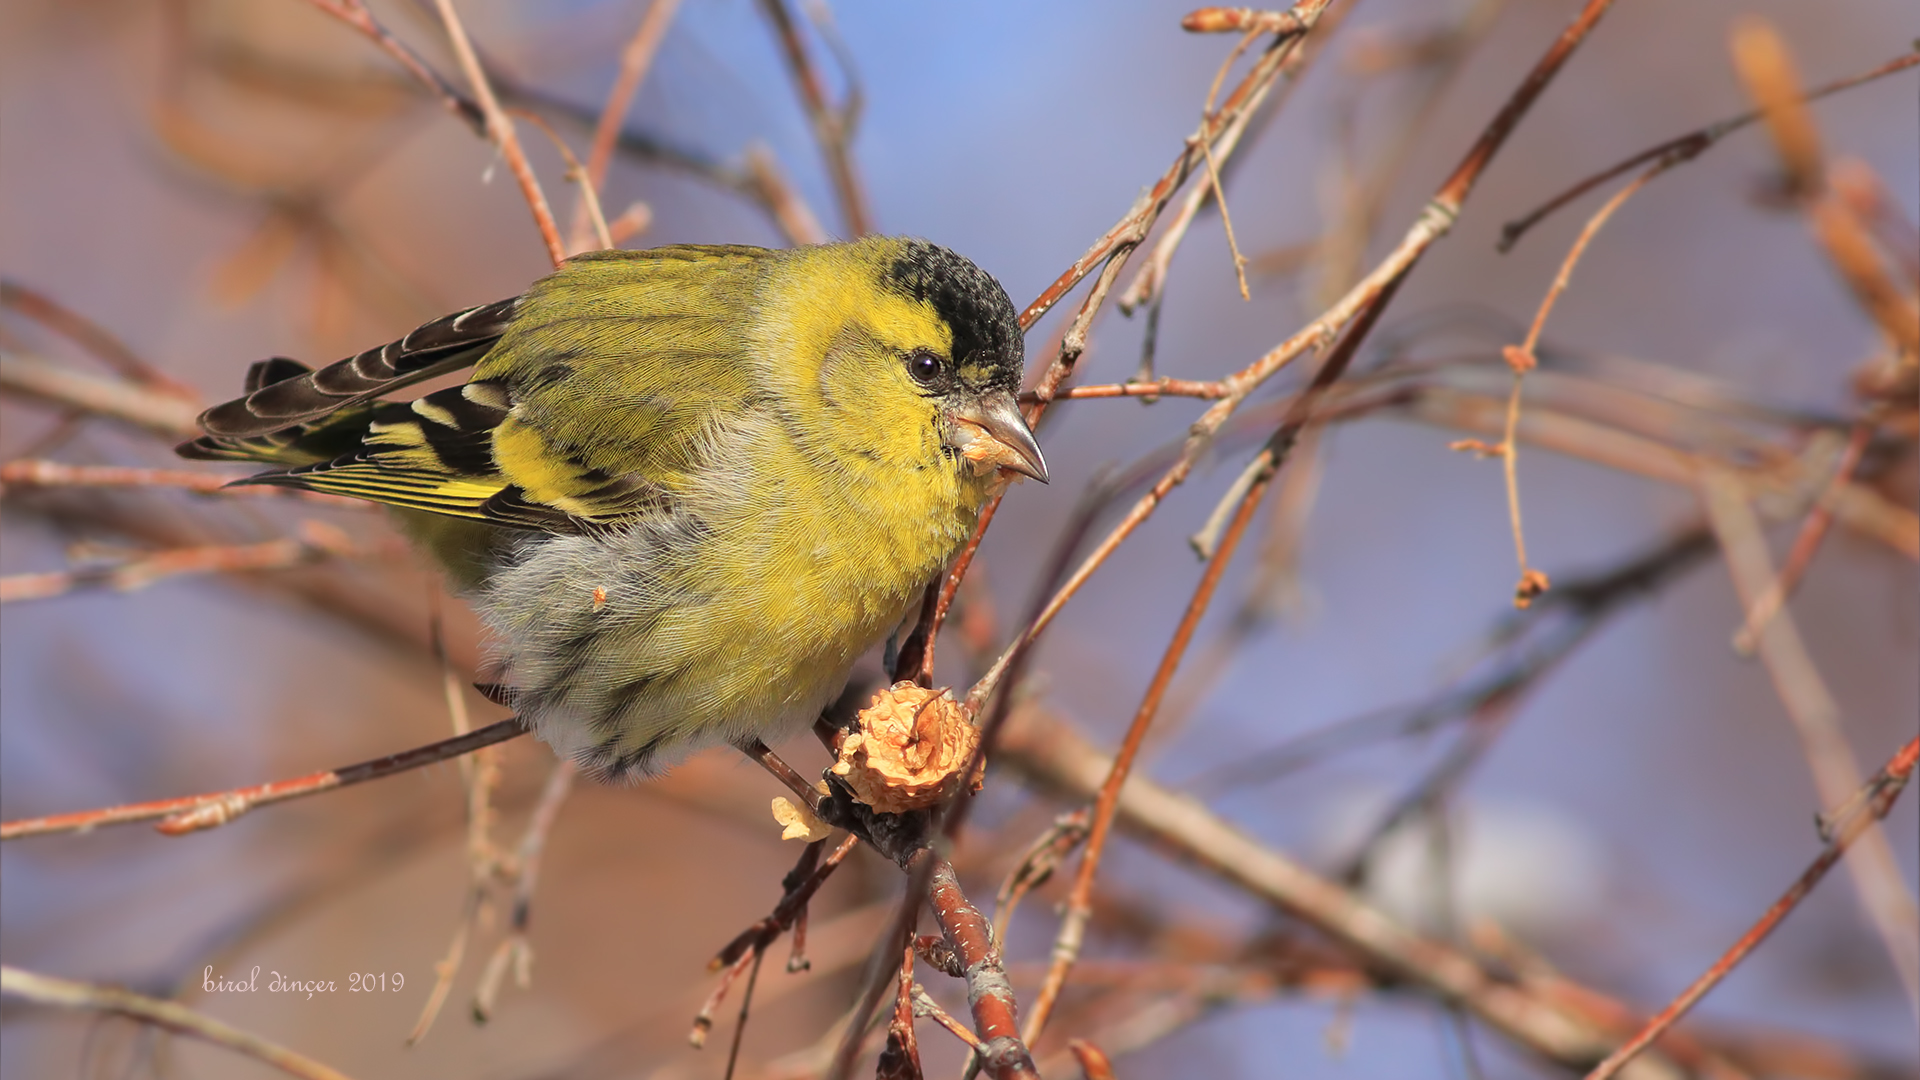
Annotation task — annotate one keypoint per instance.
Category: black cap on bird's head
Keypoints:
(989, 353)
(988, 349)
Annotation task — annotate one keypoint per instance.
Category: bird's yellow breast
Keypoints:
(812, 561)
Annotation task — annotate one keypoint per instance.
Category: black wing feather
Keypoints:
(286, 398)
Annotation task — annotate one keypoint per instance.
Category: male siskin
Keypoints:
(686, 488)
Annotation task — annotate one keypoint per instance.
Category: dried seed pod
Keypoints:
(911, 748)
(797, 822)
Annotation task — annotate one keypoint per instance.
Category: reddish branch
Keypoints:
(355, 14)
(1053, 756)
(196, 812)
(1262, 471)
(1002, 1052)
(1879, 795)
(908, 840)
(500, 132)
(635, 59)
(1110, 254)
(1686, 147)
(316, 543)
(832, 125)
(90, 336)
(1432, 224)
(901, 1058)
(40, 473)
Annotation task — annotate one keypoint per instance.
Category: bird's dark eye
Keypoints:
(926, 368)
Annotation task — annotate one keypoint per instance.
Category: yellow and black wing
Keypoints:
(595, 397)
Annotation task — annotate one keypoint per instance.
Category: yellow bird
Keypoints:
(687, 487)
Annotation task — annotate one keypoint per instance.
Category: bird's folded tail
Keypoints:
(288, 405)
(323, 439)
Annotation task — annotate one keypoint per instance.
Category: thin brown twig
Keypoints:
(1880, 794)
(1816, 719)
(137, 406)
(635, 60)
(1433, 222)
(511, 956)
(800, 886)
(1523, 359)
(1266, 464)
(1054, 757)
(740, 1022)
(703, 1020)
(924, 1005)
(1213, 167)
(514, 953)
(1689, 145)
(1205, 389)
(1109, 254)
(528, 854)
(631, 222)
(196, 812)
(480, 773)
(790, 212)
(170, 1015)
(593, 228)
(355, 14)
(41, 473)
(500, 130)
(1036, 866)
(316, 543)
(1805, 543)
(92, 337)
(642, 146)
(859, 1023)
(1126, 234)
(1766, 67)
(1148, 283)
(1226, 20)
(762, 755)
(448, 966)
(832, 125)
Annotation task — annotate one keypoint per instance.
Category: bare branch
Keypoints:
(172, 1016)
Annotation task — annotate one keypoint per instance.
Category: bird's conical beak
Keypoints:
(991, 433)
